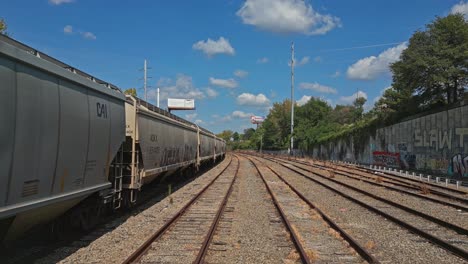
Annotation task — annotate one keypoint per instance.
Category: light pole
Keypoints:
(292, 99)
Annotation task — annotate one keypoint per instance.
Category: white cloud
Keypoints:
(183, 88)
(240, 114)
(191, 116)
(304, 99)
(303, 61)
(336, 74)
(249, 99)
(286, 16)
(241, 73)
(318, 59)
(461, 8)
(262, 60)
(317, 87)
(371, 67)
(68, 29)
(213, 47)
(212, 93)
(59, 2)
(88, 35)
(226, 83)
(199, 122)
(347, 100)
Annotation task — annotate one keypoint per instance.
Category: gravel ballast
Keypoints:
(116, 246)
(387, 241)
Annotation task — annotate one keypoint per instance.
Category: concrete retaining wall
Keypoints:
(435, 143)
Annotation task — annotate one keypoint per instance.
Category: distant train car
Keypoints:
(58, 135)
(72, 143)
(161, 143)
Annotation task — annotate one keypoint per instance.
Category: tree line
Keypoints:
(431, 74)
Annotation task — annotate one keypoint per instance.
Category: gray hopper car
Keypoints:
(67, 136)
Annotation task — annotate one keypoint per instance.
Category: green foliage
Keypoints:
(248, 133)
(3, 27)
(131, 91)
(277, 126)
(226, 135)
(235, 136)
(433, 70)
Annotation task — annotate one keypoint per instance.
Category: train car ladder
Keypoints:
(118, 175)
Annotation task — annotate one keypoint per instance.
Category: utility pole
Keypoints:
(145, 79)
(158, 98)
(292, 98)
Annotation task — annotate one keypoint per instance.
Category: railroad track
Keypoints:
(288, 201)
(406, 183)
(187, 235)
(389, 175)
(439, 232)
(41, 246)
(376, 179)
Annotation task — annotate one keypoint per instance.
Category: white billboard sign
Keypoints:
(180, 104)
(257, 119)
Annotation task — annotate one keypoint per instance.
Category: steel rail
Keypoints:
(353, 243)
(295, 238)
(413, 184)
(206, 243)
(352, 176)
(411, 181)
(458, 229)
(433, 239)
(447, 203)
(142, 249)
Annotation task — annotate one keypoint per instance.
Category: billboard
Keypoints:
(257, 119)
(180, 104)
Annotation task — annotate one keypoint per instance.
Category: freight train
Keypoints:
(70, 140)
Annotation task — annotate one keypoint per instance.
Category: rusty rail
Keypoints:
(137, 254)
(295, 238)
(433, 239)
(353, 243)
(206, 243)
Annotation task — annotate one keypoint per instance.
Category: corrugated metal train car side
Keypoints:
(159, 143)
(58, 136)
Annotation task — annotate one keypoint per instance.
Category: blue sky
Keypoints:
(231, 56)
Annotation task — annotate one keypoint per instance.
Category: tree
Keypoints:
(433, 70)
(226, 135)
(235, 136)
(131, 91)
(359, 108)
(277, 126)
(3, 27)
(248, 133)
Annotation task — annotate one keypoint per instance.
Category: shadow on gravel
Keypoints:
(39, 243)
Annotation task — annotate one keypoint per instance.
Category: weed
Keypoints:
(424, 189)
(370, 244)
(293, 255)
(312, 255)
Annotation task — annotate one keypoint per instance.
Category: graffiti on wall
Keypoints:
(458, 166)
(427, 162)
(407, 160)
(439, 139)
(387, 159)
